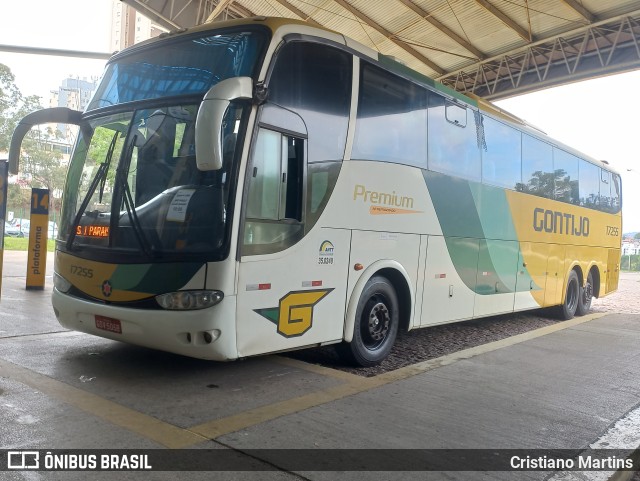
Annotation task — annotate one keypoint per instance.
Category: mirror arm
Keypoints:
(260, 93)
(209, 119)
(62, 115)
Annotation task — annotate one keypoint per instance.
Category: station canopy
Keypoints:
(492, 48)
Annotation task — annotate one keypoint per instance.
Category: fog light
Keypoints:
(61, 283)
(189, 300)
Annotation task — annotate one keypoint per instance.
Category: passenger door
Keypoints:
(286, 275)
(613, 270)
(293, 270)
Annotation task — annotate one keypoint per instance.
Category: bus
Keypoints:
(264, 185)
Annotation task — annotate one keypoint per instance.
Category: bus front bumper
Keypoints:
(203, 334)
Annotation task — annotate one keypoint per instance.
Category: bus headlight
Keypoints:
(189, 300)
(61, 283)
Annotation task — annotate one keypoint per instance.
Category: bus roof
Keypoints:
(390, 63)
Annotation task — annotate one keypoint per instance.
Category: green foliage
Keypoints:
(633, 260)
(637, 236)
(13, 106)
(555, 184)
(40, 165)
(22, 244)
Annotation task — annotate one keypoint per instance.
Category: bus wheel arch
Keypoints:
(382, 295)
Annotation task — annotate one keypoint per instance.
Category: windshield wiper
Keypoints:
(100, 178)
(129, 205)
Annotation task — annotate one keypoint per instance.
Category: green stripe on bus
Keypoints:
(154, 278)
(479, 233)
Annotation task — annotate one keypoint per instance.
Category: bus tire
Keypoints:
(376, 324)
(586, 296)
(568, 308)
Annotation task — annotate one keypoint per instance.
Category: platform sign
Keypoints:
(38, 233)
(4, 187)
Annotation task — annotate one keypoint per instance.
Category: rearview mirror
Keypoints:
(209, 120)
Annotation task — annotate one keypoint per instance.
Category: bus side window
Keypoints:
(537, 168)
(501, 158)
(616, 202)
(391, 119)
(589, 184)
(321, 179)
(314, 80)
(452, 139)
(605, 191)
(565, 170)
(274, 215)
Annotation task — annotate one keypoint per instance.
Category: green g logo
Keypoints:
(294, 314)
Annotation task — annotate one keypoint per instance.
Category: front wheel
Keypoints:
(586, 296)
(571, 299)
(376, 324)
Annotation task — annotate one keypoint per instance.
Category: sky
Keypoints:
(597, 117)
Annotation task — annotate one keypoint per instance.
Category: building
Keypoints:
(630, 247)
(129, 27)
(73, 93)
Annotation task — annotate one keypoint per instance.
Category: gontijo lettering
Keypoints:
(556, 222)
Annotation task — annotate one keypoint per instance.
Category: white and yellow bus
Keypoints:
(263, 185)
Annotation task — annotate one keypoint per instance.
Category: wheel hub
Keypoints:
(588, 292)
(379, 321)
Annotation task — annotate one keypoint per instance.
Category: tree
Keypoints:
(555, 184)
(40, 165)
(13, 105)
(637, 236)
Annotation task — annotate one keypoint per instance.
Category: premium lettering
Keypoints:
(383, 198)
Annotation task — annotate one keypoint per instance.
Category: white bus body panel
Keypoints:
(278, 292)
(377, 251)
(445, 298)
(379, 196)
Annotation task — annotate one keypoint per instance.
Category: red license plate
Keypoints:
(108, 324)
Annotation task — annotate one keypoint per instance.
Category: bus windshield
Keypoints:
(133, 183)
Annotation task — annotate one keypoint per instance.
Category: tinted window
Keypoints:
(315, 81)
(589, 184)
(565, 171)
(275, 198)
(185, 66)
(616, 194)
(501, 164)
(392, 121)
(264, 193)
(537, 167)
(605, 190)
(321, 179)
(453, 139)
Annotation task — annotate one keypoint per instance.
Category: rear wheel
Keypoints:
(586, 296)
(571, 299)
(376, 324)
